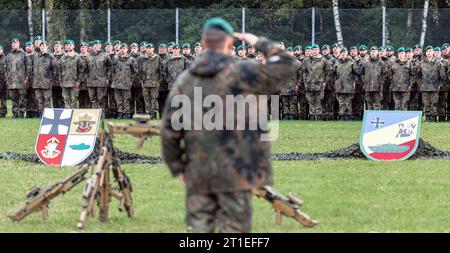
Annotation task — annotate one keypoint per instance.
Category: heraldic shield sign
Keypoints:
(390, 135)
(67, 136)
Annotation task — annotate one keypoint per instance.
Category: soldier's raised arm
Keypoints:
(265, 78)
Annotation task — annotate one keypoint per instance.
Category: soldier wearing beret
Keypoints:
(288, 93)
(31, 111)
(149, 70)
(83, 97)
(242, 52)
(137, 103)
(344, 84)
(187, 53)
(72, 66)
(298, 51)
(443, 110)
(329, 100)
(174, 66)
(3, 95)
(116, 46)
(37, 43)
(57, 98)
(143, 47)
(163, 86)
(198, 49)
(251, 52)
(400, 72)
(373, 73)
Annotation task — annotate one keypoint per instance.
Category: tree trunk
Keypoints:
(30, 19)
(48, 17)
(337, 22)
(424, 22)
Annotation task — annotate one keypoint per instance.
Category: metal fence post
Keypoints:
(43, 23)
(313, 25)
(177, 20)
(383, 42)
(243, 23)
(109, 24)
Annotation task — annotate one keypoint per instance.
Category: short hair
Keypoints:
(214, 39)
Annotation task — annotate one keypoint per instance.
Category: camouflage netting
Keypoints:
(424, 151)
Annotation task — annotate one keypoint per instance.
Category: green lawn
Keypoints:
(344, 195)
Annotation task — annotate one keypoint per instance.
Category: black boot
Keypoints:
(285, 117)
(39, 115)
(21, 115)
(318, 117)
(119, 115)
(152, 115)
(291, 117)
(29, 115)
(126, 116)
(15, 115)
(441, 119)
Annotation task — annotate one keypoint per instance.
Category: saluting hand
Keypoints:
(247, 38)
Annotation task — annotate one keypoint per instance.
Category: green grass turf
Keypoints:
(344, 195)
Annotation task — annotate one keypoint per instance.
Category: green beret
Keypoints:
(108, 43)
(170, 44)
(400, 49)
(353, 48)
(445, 46)
(116, 42)
(326, 46)
(97, 42)
(150, 45)
(219, 23)
(437, 49)
(38, 38)
(428, 48)
(28, 43)
(308, 48)
(241, 47)
(83, 44)
(44, 42)
(374, 48)
(289, 49)
(313, 46)
(91, 43)
(57, 42)
(15, 40)
(416, 46)
(176, 46)
(250, 46)
(69, 42)
(381, 48)
(389, 48)
(297, 48)
(281, 43)
(162, 45)
(344, 49)
(408, 50)
(335, 45)
(186, 45)
(143, 43)
(134, 45)
(363, 47)
(197, 44)
(123, 45)
(1, 47)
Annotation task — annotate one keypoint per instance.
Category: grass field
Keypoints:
(344, 195)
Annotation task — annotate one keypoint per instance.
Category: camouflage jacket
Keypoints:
(84, 74)
(99, 65)
(373, 73)
(289, 89)
(123, 71)
(228, 160)
(42, 70)
(56, 82)
(315, 73)
(345, 75)
(173, 68)
(2, 72)
(431, 74)
(330, 75)
(445, 65)
(190, 60)
(137, 81)
(149, 70)
(400, 73)
(71, 70)
(18, 69)
(415, 80)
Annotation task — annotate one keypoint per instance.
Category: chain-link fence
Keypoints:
(292, 26)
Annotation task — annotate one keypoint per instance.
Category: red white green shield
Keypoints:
(67, 136)
(390, 135)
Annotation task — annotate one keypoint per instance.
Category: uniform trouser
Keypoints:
(289, 105)
(58, 101)
(70, 96)
(386, 100)
(231, 211)
(137, 100)
(43, 98)
(150, 95)
(3, 97)
(97, 96)
(315, 102)
(162, 96)
(302, 106)
(328, 104)
(31, 98)
(401, 100)
(373, 100)
(345, 103)
(123, 98)
(443, 102)
(19, 100)
(430, 100)
(111, 102)
(83, 98)
(414, 101)
(358, 104)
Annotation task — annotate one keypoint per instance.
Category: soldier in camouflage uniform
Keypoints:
(221, 168)
(143, 47)
(124, 69)
(242, 52)
(3, 95)
(137, 100)
(251, 53)
(116, 46)
(373, 72)
(43, 68)
(387, 82)
(37, 43)
(345, 70)
(71, 68)
(18, 69)
(413, 103)
(298, 51)
(99, 65)
(288, 93)
(432, 77)
(110, 101)
(30, 50)
(400, 72)
(57, 98)
(187, 53)
(149, 69)
(198, 49)
(315, 73)
(358, 97)
(83, 97)
(329, 95)
(446, 56)
(174, 66)
(303, 108)
(170, 48)
(163, 86)
(444, 90)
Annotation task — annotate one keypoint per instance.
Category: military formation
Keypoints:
(331, 83)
